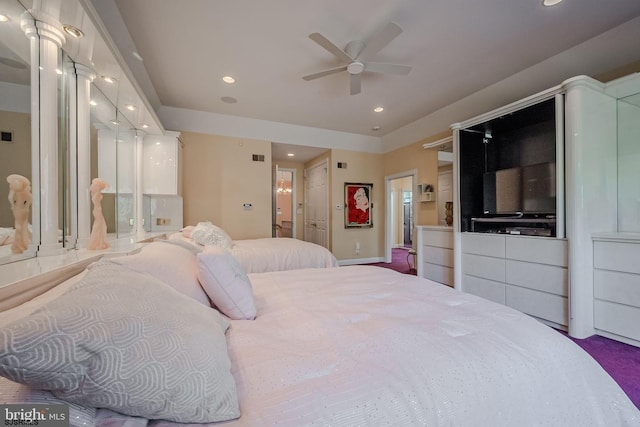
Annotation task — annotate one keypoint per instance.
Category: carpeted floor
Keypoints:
(620, 360)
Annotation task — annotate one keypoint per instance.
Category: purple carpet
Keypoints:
(620, 360)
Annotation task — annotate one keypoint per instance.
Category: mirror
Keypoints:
(628, 160)
(113, 159)
(15, 118)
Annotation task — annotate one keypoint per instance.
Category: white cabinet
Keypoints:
(616, 282)
(161, 164)
(435, 253)
(523, 272)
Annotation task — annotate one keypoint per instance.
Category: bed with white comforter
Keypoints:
(350, 346)
(263, 254)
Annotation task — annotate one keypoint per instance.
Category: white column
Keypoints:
(46, 40)
(591, 182)
(457, 236)
(84, 77)
(137, 196)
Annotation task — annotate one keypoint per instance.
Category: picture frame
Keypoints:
(357, 205)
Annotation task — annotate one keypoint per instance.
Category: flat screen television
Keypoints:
(521, 190)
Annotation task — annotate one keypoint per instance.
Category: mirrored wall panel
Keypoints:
(628, 161)
(15, 121)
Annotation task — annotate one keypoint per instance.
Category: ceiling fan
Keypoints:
(354, 54)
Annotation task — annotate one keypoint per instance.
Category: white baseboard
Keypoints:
(360, 261)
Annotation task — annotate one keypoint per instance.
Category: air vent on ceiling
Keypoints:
(258, 157)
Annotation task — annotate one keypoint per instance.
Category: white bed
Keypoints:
(362, 346)
(270, 254)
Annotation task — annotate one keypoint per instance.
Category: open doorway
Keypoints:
(399, 223)
(285, 199)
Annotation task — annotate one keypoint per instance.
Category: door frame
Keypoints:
(294, 201)
(388, 244)
(328, 227)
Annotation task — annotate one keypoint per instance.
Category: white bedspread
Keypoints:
(282, 253)
(366, 346)
(275, 254)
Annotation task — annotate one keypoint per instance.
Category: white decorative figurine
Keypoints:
(20, 200)
(98, 239)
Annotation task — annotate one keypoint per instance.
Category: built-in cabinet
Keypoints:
(435, 253)
(523, 272)
(616, 281)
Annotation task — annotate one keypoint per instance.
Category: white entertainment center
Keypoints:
(568, 253)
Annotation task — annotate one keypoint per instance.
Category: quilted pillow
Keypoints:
(172, 262)
(226, 283)
(208, 234)
(125, 341)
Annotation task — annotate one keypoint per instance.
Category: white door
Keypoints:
(445, 194)
(316, 205)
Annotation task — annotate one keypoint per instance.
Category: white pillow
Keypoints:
(226, 283)
(170, 262)
(125, 341)
(208, 234)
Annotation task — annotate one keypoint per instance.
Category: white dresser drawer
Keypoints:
(546, 306)
(484, 267)
(623, 288)
(617, 318)
(441, 239)
(617, 256)
(547, 278)
(441, 256)
(488, 289)
(438, 273)
(483, 244)
(537, 249)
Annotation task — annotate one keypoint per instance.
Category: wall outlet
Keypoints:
(163, 221)
(357, 248)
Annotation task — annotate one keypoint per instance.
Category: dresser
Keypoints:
(523, 272)
(616, 286)
(435, 253)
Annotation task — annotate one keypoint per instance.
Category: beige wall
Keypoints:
(220, 176)
(413, 156)
(361, 168)
(15, 158)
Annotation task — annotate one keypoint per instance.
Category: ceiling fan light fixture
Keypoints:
(355, 67)
(378, 109)
(228, 79)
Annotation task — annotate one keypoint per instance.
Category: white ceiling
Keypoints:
(455, 48)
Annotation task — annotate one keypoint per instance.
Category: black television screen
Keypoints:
(527, 190)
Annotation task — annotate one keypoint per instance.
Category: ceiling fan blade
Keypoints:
(380, 40)
(328, 45)
(379, 67)
(325, 73)
(354, 86)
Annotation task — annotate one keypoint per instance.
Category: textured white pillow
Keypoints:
(125, 341)
(226, 283)
(170, 262)
(208, 234)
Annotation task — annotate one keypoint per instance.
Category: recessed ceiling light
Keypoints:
(73, 31)
(550, 2)
(229, 99)
(130, 107)
(378, 109)
(375, 128)
(115, 122)
(58, 71)
(137, 56)
(4, 18)
(290, 154)
(108, 79)
(228, 79)
(145, 126)
(92, 102)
